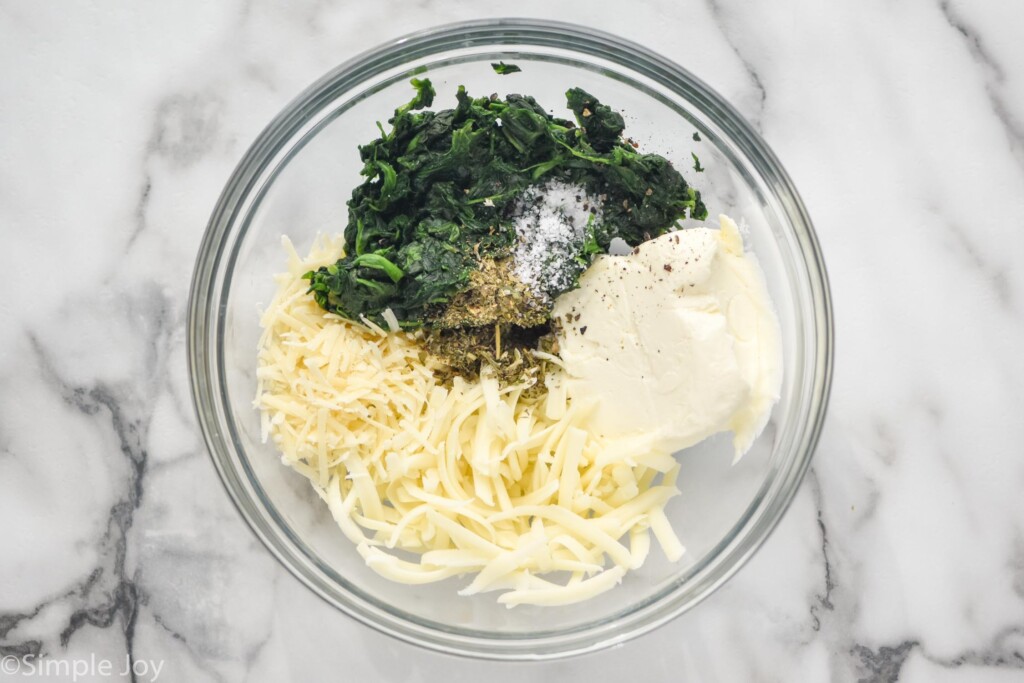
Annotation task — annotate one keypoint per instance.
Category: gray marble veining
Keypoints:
(902, 558)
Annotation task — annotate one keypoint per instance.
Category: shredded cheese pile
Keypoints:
(432, 482)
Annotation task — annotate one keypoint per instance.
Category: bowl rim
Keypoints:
(208, 404)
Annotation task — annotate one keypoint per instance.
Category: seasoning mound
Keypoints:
(553, 223)
(497, 321)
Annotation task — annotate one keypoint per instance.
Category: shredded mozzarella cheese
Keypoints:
(431, 482)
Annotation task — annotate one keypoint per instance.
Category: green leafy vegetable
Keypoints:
(696, 163)
(696, 136)
(591, 247)
(441, 190)
(602, 125)
(424, 96)
(504, 69)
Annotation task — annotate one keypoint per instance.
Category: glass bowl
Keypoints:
(295, 180)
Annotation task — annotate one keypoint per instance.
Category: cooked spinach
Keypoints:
(441, 188)
(696, 163)
(503, 69)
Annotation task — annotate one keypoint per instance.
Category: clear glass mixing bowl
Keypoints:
(295, 180)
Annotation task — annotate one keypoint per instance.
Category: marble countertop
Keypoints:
(902, 558)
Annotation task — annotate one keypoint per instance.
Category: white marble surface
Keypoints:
(901, 122)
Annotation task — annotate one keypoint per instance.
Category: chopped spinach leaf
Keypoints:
(504, 69)
(696, 163)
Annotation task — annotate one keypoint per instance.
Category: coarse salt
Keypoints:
(551, 223)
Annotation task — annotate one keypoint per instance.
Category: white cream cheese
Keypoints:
(676, 341)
